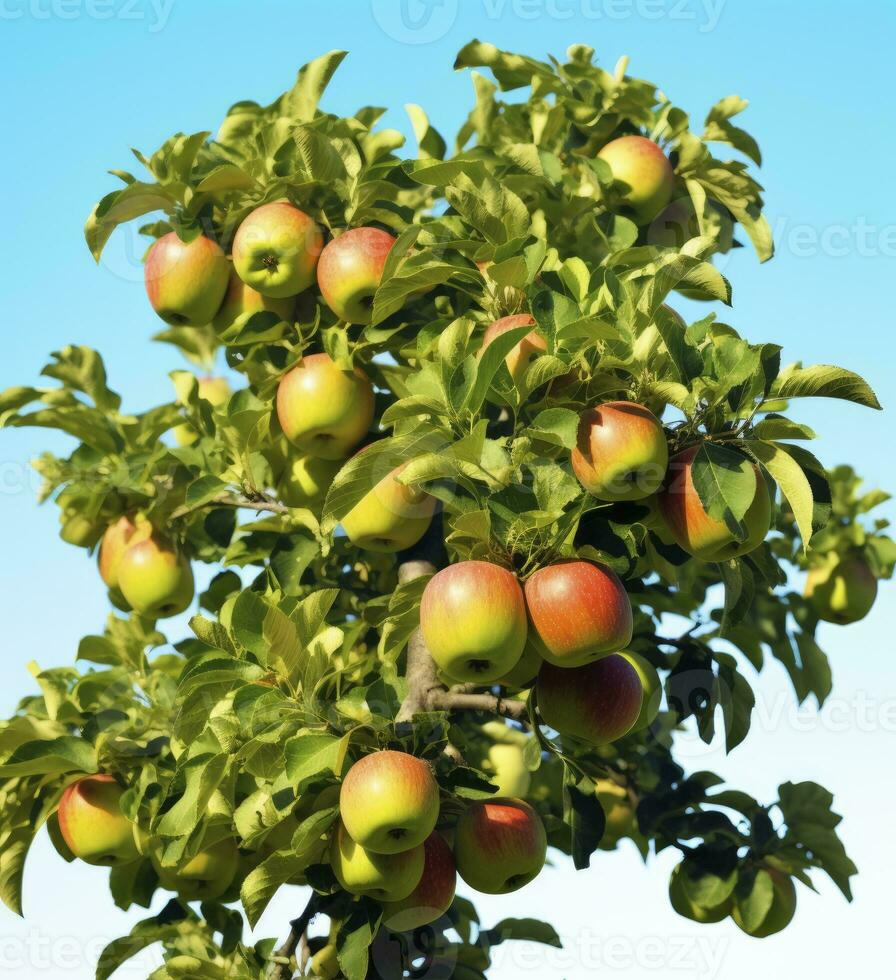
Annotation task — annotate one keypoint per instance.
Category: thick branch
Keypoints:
(298, 928)
(505, 707)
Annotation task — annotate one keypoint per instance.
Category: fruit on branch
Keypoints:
(522, 353)
(842, 590)
(276, 249)
(651, 689)
(618, 812)
(112, 547)
(780, 912)
(325, 962)
(306, 480)
(390, 517)
(578, 611)
(241, 301)
(526, 669)
(690, 525)
(620, 452)
(433, 896)
(473, 618)
(643, 174)
(597, 703)
(204, 877)
(324, 410)
(92, 824)
(385, 877)
(185, 281)
(77, 529)
(389, 802)
(683, 904)
(350, 269)
(500, 845)
(216, 391)
(155, 577)
(506, 765)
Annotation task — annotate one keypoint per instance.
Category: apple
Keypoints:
(385, 877)
(204, 877)
(216, 391)
(500, 845)
(691, 526)
(389, 801)
(526, 669)
(276, 249)
(185, 281)
(617, 807)
(781, 911)
(620, 452)
(391, 517)
(689, 909)
(350, 269)
(323, 410)
(506, 766)
(112, 547)
(524, 352)
(241, 301)
(651, 687)
(473, 618)
(306, 480)
(597, 703)
(842, 590)
(154, 577)
(643, 172)
(325, 962)
(578, 611)
(92, 824)
(432, 897)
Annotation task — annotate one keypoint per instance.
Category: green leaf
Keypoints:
(53, 757)
(313, 753)
(725, 483)
(789, 476)
(302, 100)
(529, 930)
(824, 381)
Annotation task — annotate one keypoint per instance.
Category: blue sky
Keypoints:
(84, 80)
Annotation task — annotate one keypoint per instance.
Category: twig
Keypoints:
(297, 929)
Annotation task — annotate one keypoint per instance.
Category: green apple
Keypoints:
(597, 703)
(506, 766)
(204, 877)
(276, 250)
(690, 525)
(524, 671)
(617, 807)
(579, 611)
(92, 824)
(391, 517)
(241, 301)
(113, 546)
(350, 270)
(473, 618)
(642, 173)
(620, 452)
(651, 687)
(780, 912)
(306, 480)
(185, 281)
(76, 528)
(524, 352)
(683, 905)
(389, 802)
(842, 590)
(323, 410)
(432, 897)
(216, 391)
(325, 962)
(499, 846)
(384, 877)
(154, 577)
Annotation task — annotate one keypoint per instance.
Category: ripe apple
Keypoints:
(204, 877)
(507, 770)
(643, 172)
(112, 547)
(684, 906)
(154, 577)
(241, 301)
(92, 824)
(578, 611)
(323, 410)
(389, 802)
(350, 269)
(276, 248)
(385, 877)
(185, 281)
(524, 352)
(781, 911)
(391, 517)
(306, 480)
(500, 845)
(842, 590)
(597, 703)
(473, 618)
(691, 526)
(432, 897)
(216, 391)
(651, 687)
(620, 451)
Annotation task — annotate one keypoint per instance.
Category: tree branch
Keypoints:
(285, 955)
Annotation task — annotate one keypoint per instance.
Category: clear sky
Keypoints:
(84, 80)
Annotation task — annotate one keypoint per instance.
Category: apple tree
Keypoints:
(488, 526)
